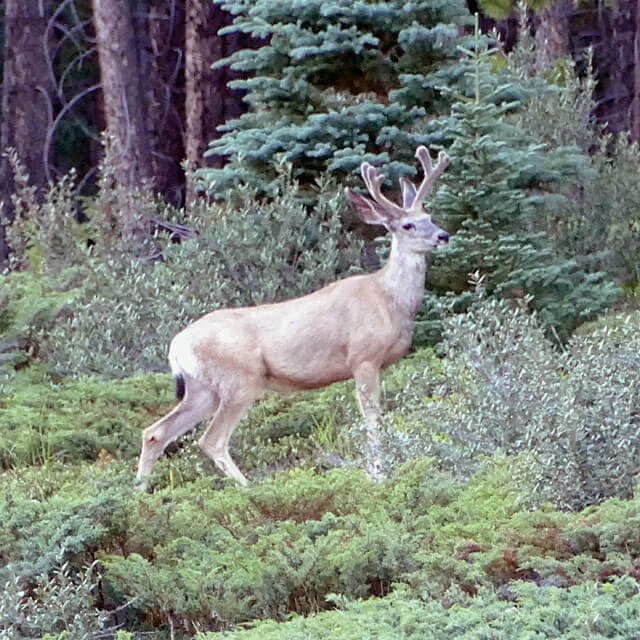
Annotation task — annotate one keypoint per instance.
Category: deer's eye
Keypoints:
(407, 226)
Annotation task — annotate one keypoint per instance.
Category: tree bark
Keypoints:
(552, 34)
(204, 104)
(123, 91)
(160, 30)
(208, 101)
(26, 111)
(635, 125)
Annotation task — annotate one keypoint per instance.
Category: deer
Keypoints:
(351, 328)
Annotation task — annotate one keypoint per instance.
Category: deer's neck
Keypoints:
(402, 279)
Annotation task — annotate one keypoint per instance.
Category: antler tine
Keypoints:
(431, 173)
(373, 181)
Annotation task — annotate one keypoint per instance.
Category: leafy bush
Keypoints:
(42, 235)
(576, 410)
(62, 604)
(128, 310)
(608, 242)
(96, 300)
(30, 305)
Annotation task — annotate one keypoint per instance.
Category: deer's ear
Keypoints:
(408, 193)
(368, 210)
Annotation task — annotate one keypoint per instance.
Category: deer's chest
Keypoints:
(398, 348)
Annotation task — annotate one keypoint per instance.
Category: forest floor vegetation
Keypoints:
(453, 543)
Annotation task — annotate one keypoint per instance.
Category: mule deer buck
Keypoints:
(349, 329)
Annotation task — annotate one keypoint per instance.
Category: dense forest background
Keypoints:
(142, 69)
(162, 159)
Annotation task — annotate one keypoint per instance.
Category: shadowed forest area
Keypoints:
(160, 160)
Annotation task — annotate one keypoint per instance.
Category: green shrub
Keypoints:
(599, 223)
(575, 410)
(30, 304)
(63, 604)
(248, 253)
(501, 182)
(41, 235)
(73, 421)
(283, 545)
(609, 242)
(590, 610)
(194, 557)
(77, 513)
(106, 297)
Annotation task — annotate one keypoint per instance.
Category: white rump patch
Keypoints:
(181, 357)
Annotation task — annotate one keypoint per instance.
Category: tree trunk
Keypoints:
(204, 104)
(635, 128)
(123, 91)
(160, 31)
(552, 34)
(26, 111)
(208, 101)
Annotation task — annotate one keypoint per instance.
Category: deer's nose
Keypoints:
(443, 237)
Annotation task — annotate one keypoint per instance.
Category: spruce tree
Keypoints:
(498, 194)
(336, 82)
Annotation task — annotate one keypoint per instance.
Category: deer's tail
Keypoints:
(180, 386)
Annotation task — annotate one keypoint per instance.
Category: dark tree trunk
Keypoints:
(552, 34)
(160, 31)
(123, 91)
(26, 111)
(208, 102)
(204, 103)
(635, 129)
(612, 32)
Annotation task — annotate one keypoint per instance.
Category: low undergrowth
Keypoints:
(44, 422)
(458, 556)
(590, 611)
(463, 538)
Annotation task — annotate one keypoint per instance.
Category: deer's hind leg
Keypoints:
(198, 404)
(234, 403)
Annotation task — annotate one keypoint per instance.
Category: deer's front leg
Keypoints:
(367, 391)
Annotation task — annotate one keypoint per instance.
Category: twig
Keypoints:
(63, 111)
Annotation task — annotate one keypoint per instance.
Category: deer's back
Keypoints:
(302, 343)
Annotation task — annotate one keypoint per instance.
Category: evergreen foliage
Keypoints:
(196, 558)
(610, 611)
(335, 83)
(505, 189)
(498, 192)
